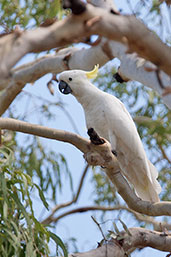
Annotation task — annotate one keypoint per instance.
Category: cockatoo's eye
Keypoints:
(64, 88)
(70, 79)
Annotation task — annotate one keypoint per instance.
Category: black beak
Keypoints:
(64, 88)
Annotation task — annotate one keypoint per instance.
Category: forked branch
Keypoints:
(90, 21)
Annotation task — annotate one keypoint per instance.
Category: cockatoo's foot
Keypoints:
(115, 153)
(94, 137)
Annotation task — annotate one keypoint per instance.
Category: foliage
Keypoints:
(21, 234)
(28, 13)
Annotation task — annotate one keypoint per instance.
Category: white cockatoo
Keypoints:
(108, 116)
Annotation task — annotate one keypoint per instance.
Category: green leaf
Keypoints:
(22, 208)
(116, 228)
(59, 242)
(125, 227)
(42, 197)
(5, 210)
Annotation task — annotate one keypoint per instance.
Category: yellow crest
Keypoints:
(93, 74)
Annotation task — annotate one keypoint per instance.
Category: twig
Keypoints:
(59, 105)
(50, 218)
(99, 227)
(164, 153)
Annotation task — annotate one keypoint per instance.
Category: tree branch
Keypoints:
(54, 64)
(125, 243)
(158, 226)
(131, 67)
(81, 210)
(134, 68)
(92, 21)
(9, 94)
(142, 238)
(95, 155)
(15, 125)
(164, 153)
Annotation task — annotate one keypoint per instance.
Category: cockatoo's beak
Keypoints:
(64, 88)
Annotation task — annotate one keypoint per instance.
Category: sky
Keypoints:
(79, 226)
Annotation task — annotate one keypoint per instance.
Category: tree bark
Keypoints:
(127, 241)
(93, 20)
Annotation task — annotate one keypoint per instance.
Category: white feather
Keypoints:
(110, 119)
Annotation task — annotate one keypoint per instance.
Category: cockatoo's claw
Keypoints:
(94, 137)
(115, 153)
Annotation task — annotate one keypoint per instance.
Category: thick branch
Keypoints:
(54, 64)
(93, 21)
(142, 238)
(127, 242)
(95, 155)
(15, 125)
(135, 68)
(9, 94)
(112, 249)
(131, 67)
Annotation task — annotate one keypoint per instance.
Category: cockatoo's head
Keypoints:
(72, 81)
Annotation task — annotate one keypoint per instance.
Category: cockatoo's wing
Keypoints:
(131, 155)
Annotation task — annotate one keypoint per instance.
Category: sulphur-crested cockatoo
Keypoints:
(109, 118)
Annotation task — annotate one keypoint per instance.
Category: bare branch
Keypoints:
(158, 226)
(37, 130)
(164, 153)
(9, 95)
(81, 210)
(142, 238)
(112, 249)
(50, 218)
(55, 64)
(95, 155)
(114, 27)
(131, 67)
(134, 68)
